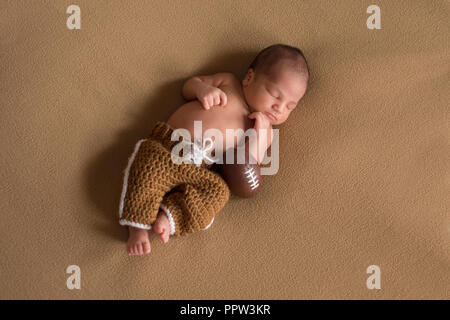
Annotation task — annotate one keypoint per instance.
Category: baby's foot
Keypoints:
(162, 226)
(138, 242)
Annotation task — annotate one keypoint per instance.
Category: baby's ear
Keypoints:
(248, 77)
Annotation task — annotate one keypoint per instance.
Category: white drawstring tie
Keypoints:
(199, 153)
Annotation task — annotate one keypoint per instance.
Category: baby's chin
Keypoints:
(278, 122)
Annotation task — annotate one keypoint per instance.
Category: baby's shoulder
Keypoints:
(232, 85)
(228, 79)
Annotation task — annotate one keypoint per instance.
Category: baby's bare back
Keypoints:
(231, 116)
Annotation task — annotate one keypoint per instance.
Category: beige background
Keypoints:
(364, 161)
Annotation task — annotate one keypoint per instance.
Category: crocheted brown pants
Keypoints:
(191, 196)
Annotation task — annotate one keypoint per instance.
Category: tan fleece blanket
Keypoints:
(364, 175)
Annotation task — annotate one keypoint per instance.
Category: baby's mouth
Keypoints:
(271, 116)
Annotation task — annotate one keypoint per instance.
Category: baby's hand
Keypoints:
(261, 121)
(211, 96)
(264, 138)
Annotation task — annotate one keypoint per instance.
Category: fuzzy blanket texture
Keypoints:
(364, 175)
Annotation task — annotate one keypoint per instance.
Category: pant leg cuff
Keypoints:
(170, 217)
(124, 222)
(209, 225)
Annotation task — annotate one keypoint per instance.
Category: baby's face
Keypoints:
(277, 96)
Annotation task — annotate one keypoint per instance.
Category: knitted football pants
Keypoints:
(190, 195)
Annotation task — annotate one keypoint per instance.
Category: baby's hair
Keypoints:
(268, 57)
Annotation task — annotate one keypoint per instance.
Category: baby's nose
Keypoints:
(277, 107)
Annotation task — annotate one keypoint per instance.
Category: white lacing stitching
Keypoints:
(199, 153)
(252, 178)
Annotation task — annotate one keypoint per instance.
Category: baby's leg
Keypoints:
(138, 242)
(145, 183)
(192, 206)
(162, 226)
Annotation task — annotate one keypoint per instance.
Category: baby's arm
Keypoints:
(263, 136)
(206, 89)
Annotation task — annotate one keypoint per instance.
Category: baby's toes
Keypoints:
(130, 250)
(164, 235)
(157, 227)
(146, 247)
(134, 250)
(138, 249)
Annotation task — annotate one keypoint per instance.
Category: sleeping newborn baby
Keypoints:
(181, 198)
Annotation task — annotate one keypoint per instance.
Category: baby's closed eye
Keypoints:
(291, 106)
(273, 94)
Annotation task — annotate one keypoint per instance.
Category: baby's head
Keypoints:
(275, 81)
